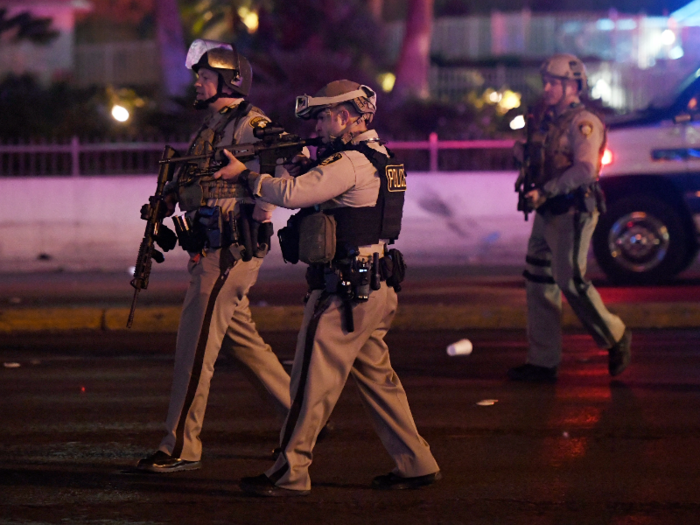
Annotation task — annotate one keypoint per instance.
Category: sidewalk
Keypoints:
(437, 297)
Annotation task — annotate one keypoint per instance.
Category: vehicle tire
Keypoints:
(641, 240)
(690, 257)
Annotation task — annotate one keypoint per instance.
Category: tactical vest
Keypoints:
(194, 189)
(367, 225)
(557, 160)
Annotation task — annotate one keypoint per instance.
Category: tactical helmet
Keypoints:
(363, 99)
(566, 66)
(233, 69)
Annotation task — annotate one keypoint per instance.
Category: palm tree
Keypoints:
(171, 42)
(28, 27)
(413, 66)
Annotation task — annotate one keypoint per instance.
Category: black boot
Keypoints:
(620, 354)
(161, 463)
(263, 486)
(393, 482)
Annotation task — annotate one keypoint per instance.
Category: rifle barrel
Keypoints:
(246, 150)
(130, 321)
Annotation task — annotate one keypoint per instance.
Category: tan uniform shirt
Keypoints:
(238, 134)
(345, 179)
(576, 141)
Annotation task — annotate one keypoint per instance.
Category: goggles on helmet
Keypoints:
(306, 105)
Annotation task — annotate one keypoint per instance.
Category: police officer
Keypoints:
(567, 201)
(352, 297)
(216, 311)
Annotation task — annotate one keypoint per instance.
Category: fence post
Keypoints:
(433, 151)
(75, 156)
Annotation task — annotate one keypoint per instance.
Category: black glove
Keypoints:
(146, 209)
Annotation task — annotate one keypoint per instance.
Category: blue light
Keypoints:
(626, 24)
(605, 24)
(676, 53)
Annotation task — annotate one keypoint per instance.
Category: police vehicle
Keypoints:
(651, 178)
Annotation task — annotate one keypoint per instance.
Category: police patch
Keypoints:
(259, 122)
(395, 177)
(586, 128)
(331, 159)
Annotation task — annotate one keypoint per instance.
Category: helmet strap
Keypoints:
(349, 136)
(204, 104)
(338, 143)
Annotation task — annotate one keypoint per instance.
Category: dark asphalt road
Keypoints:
(82, 408)
(433, 284)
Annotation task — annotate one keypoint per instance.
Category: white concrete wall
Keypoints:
(93, 222)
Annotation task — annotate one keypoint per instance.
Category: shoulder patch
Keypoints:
(585, 127)
(259, 122)
(330, 160)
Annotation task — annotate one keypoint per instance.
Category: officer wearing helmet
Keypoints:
(352, 200)
(216, 313)
(567, 200)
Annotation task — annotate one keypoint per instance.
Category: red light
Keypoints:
(607, 158)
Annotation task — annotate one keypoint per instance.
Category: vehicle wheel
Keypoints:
(641, 240)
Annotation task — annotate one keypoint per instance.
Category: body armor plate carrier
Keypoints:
(356, 227)
(367, 225)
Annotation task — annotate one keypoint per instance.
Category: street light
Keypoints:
(249, 19)
(387, 81)
(120, 113)
(518, 122)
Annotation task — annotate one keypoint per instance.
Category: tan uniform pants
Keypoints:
(556, 263)
(216, 313)
(325, 356)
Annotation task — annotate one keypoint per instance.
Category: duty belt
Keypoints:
(353, 280)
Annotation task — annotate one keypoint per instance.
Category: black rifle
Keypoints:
(154, 223)
(274, 144)
(532, 167)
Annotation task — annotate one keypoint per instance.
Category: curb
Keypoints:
(409, 317)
